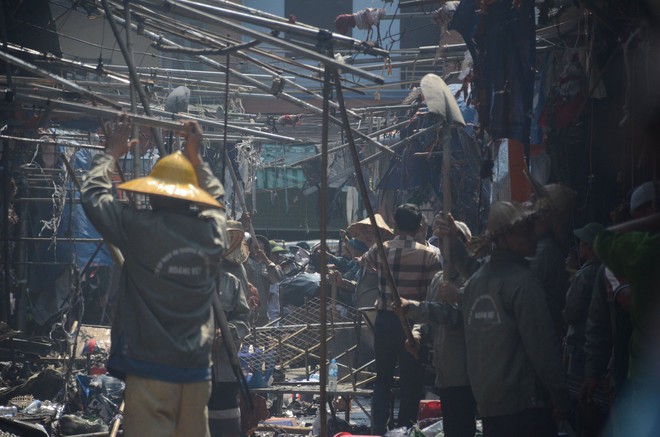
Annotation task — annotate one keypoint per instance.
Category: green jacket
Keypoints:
(167, 281)
(634, 256)
(512, 348)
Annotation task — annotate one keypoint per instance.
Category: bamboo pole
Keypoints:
(117, 421)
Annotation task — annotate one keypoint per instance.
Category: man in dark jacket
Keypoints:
(578, 298)
(513, 355)
(555, 206)
(163, 327)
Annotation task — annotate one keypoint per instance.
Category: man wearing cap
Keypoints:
(162, 329)
(441, 323)
(413, 266)
(578, 297)
(347, 270)
(632, 252)
(224, 411)
(512, 350)
(576, 311)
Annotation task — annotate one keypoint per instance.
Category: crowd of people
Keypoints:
(521, 338)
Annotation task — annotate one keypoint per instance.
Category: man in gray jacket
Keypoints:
(224, 411)
(443, 322)
(163, 326)
(513, 354)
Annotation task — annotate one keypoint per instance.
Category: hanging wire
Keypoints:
(389, 28)
(111, 49)
(66, 14)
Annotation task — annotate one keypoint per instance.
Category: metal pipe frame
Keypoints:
(137, 147)
(168, 71)
(61, 144)
(77, 240)
(343, 146)
(49, 57)
(284, 96)
(219, 41)
(362, 187)
(375, 156)
(323, 217)
(222, 17)
(142, 120)
(135, 79)
(371, 109)
(249, 15)
(64, 82)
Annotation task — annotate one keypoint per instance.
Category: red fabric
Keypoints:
(344, 22)
(289, 120)
(518, 184)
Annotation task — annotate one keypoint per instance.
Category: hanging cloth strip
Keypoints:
(363, 20)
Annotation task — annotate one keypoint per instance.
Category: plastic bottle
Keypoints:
(8, 411)
(33, 408)
(333, 371)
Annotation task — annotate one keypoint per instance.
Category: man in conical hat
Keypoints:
(513, 359)
(224, 411)
(162, 329)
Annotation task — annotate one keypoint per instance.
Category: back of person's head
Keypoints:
(358, 246)
(408, 217)
(168, 204)
(506, 216)
(464, 230)
(645, 199)
(262, 243)
(562, 201)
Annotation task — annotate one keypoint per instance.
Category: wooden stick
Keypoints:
(300, 430)
(370, 211)
(117, 422)
(446, 187)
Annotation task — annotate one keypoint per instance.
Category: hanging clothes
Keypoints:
(507, 46)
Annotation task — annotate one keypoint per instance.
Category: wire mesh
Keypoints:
(295, 335)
